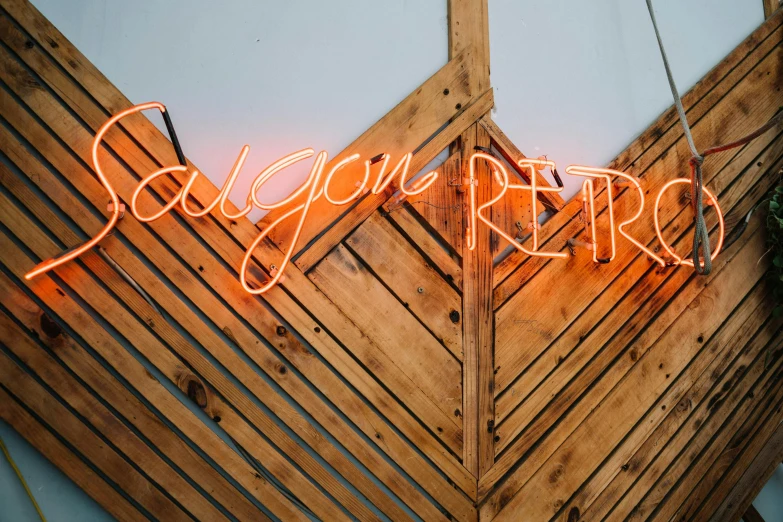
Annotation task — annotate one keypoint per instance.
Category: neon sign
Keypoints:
(313, 188)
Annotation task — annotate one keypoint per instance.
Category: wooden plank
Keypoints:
(513, 211)
(138, 486)
(543, 427)
(164, 360)
(477, 322)
(428, 245)
(276, 403)
(241, 370)
(216, 346)
(112, 391)
(638, 473)
(469, 28)
(350, 286)
(732, 449)
(66, 461)
(442, 206)
(574, 336)
(621, 335)
(102, 420)
(510, 152)
(646, 149)
(544, 323)
(332, 236)
(580, 341)
(691, 420)
(315, 335)
(654, 369)
(443, 97)
(403, 270)
(214, 308)
(230, 421)
(242, 230)
(770, 6)
(734, 495)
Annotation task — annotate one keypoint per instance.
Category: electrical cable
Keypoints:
(700, 235)
(21, 479)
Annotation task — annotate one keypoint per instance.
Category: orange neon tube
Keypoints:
(143, 184)
(52, 263)
(588, 200)
(402, 168)
(312, 182)
(502, 174)
(659, 233)
(353, 195)
(535, 165)
(184, 192)
(240, 162)
(605, 174)
(271, 170)
(252, 199)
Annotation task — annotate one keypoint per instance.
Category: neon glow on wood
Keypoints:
(315, 189)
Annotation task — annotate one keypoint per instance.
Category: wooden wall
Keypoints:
(395, 374)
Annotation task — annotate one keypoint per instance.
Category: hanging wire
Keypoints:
(22, 480)
(700, 235)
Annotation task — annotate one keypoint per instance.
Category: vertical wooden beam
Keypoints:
(477, 375)
(770, 6)
(469, 26)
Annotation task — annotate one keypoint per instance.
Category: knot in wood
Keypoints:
(49, 327)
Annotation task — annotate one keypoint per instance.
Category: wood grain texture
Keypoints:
(367, 205)
(448, 264)
(67, 461)
(443, 97)
(412, 280)
(512, 155)
(369, 305)
(441, 206)
(395, 374)
(72, 355)
(469, 28)
(477, 323)
(770, 6)
(212, 273)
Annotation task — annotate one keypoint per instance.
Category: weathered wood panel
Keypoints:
(545, 408)
(442, 207)
(477, 323)
(395, 374)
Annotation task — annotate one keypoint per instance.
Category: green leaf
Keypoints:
(777, 312)
(778, 261)
(774, 205)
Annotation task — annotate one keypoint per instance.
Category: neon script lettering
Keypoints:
(318, 185)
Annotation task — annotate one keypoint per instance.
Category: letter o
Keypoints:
(681, 261)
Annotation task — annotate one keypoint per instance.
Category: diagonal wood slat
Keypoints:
(413, 281)
(395, 374)
(442, 207)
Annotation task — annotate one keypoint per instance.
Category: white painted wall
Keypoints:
(278, 76)
(575, 80)
(579, 81)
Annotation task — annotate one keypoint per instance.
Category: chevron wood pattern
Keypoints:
(395, 374)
